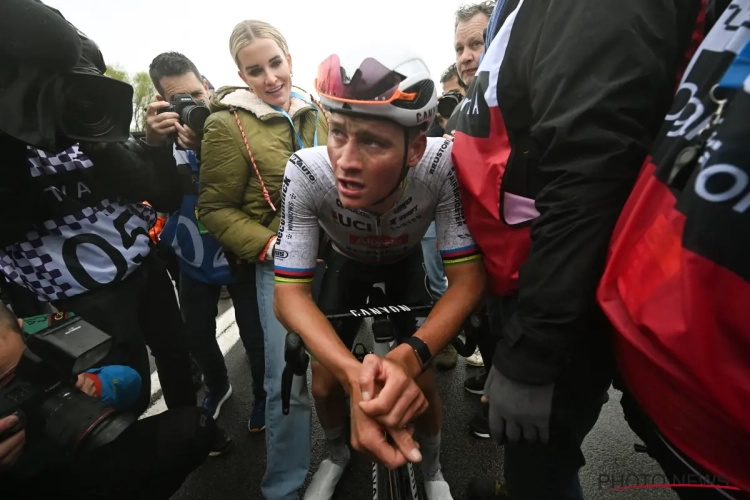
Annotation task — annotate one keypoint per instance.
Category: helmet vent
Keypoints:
(424, 91)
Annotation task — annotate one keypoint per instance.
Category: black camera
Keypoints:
(43, 393)
(54, 110)
(448, 102)
(192, 113)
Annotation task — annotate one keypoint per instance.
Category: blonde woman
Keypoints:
(247, 142)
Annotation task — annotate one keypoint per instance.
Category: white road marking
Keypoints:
(228, 335)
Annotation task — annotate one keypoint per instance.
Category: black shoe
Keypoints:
(475, 384)
(480, 424)
(486, 489)
(221, 445)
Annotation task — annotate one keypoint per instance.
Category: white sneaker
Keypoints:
(324, 481)
(437, 490)
(475, 359)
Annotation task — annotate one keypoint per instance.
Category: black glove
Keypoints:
(518, 410)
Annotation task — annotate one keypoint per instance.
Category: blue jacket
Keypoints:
(200, 255)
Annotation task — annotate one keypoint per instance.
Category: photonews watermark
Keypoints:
(637, 481)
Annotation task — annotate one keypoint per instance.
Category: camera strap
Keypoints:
(291, 121)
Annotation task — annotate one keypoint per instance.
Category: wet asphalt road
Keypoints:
(608, 448)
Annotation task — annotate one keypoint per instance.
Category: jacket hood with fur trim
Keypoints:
(241, 97)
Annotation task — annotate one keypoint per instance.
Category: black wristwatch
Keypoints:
(421, 350)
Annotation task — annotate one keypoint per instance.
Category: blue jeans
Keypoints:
(287, 436)
(199, 307)
(434, 263)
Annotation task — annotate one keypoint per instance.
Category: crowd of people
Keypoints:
(579, 181)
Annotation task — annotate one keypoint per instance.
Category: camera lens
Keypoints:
(448, 103)
(79, 423)
(195, 117)
(94, 108)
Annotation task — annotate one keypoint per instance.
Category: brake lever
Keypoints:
(296, 362)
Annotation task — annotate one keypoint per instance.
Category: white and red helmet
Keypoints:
(378, 81)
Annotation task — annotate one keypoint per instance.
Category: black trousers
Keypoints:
(149, 461)
(199, 309)
(142, 310)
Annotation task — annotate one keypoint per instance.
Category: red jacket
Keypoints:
(677, 284)
(549, 142)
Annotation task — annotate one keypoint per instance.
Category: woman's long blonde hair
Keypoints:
(248, 31)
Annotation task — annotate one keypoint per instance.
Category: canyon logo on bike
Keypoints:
(677, 283)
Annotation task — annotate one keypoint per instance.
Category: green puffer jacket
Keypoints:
(231, 204)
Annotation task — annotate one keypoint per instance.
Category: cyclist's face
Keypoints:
(367, 158)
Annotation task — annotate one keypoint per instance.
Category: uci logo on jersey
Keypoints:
(280, 254)
(347, 221)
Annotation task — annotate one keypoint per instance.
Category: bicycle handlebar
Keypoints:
(465, 349)
(297, 360)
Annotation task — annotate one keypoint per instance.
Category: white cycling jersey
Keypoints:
(310, 202)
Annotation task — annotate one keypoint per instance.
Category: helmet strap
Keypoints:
(404, 169)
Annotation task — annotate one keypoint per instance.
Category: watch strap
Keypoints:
(421, 349)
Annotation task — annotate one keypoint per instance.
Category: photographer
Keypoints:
(148, 460)
(204, 268)
(454, 91)
(78, 237)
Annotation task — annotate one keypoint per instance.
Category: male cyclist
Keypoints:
(374, 191)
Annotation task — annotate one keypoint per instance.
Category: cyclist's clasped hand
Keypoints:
(368, 437)
(399, 401)
(392, 397)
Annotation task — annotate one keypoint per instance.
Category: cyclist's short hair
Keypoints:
(171, 64)
(467, 12)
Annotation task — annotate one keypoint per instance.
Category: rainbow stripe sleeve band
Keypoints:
(460, 255)
(290, 275)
